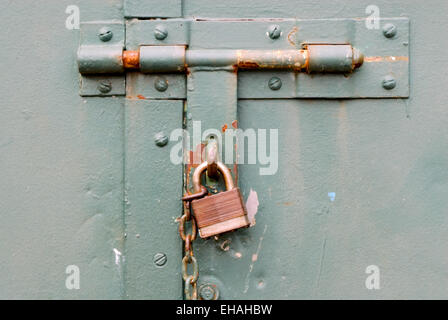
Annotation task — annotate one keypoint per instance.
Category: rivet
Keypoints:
(104, 86)
(389, 82)
(208, 291)
(161, 139)
(160, 259)
(275, 83)
(389, 30)
(160, 32)
(274, 32)
(105, 34)
(161, 84)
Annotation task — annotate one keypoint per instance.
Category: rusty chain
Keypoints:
(190, 288)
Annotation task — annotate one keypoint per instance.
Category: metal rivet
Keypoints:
(208, 292)
(160, 32)
(389, 82)
(160, 259)
(275, 83)
(274, 32)
(161, 84)
(105, 34)
(104, 86)
(389, 30)
(160, 139)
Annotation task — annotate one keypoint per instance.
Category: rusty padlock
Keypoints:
(221, 212)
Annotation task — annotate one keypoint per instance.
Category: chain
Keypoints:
(190, 280)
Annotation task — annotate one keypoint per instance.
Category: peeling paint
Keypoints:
(252, 206)
(117, 256)
(255, 255)
(386, 58)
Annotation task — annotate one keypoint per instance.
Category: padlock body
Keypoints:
(220, 213)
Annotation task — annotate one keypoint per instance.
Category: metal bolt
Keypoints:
(208, 291)
(389, 82)
(275, 83)
(389, 30)
(161, 139)
(104, 86)
(274, 32)
(161, 84)
(160, 32)
(160, 259)
(105, 34)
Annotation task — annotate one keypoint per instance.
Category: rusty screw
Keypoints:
(160, 32)
(389, 30)
(105, 34)
(208, 291)
(160, 259)
(275, 83)
(161, 139)
(104, 86)
(274, 32)
(389, 82)
(161, 84)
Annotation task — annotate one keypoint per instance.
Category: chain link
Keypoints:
(190, 288)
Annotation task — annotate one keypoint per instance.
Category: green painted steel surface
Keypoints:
(84, 183)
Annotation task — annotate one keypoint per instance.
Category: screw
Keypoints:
(389, 30)
(105, 34)
(389, 82)
(208, 292)
(160, 259)
(104, 86)
(160, 32)
(274, 32)
(161, 140)
(275, 83)
(161, 84)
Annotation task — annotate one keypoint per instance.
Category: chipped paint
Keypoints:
(255, 258)
(252, 206)
(386, 59)
(117, 256)
(292, 34)
(225, 245)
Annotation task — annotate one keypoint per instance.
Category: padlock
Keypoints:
(221, 212)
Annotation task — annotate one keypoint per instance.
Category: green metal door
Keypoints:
(345, 181)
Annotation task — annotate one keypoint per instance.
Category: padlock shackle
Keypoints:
(221, 168)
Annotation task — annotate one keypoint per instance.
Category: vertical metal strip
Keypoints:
(211, 110)
(153, 189)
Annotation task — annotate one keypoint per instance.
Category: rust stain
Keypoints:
(193, 161)
(291, 34)
(386, 58)
(140, 97)
(224, 127)
(248, 65)
(235, 124)
(131, 59)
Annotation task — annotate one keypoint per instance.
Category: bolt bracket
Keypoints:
(95, 54)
